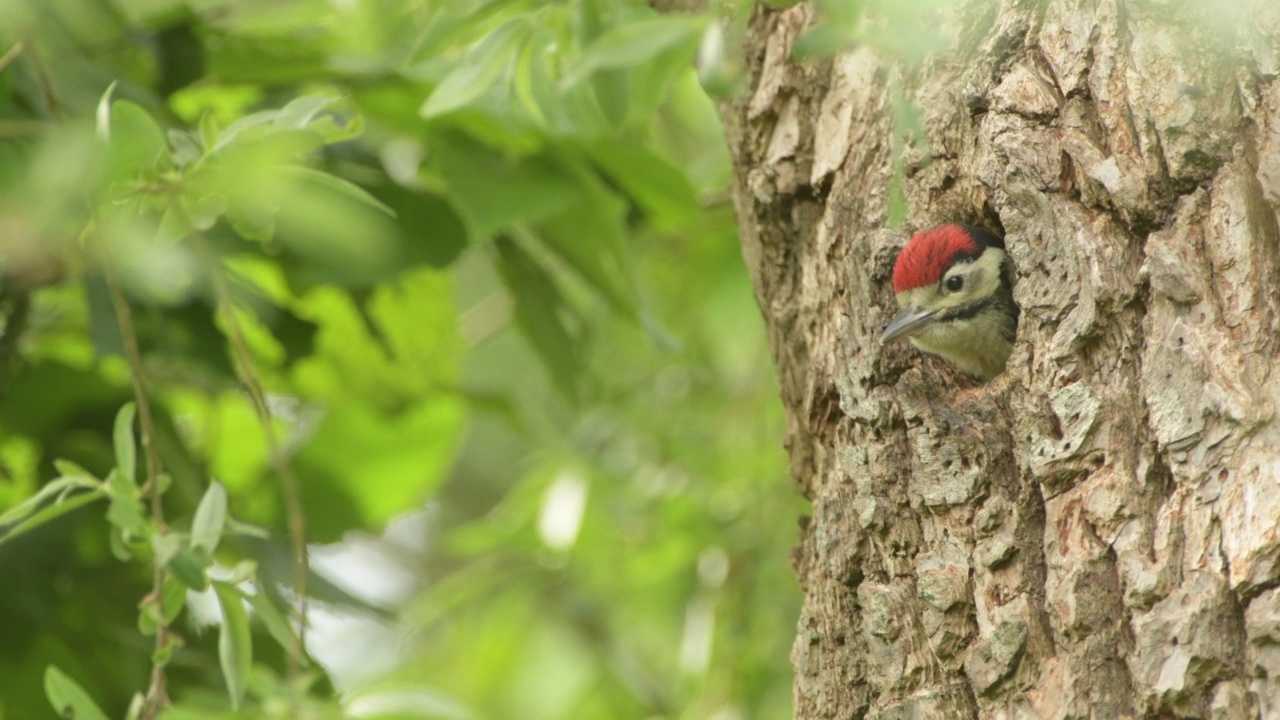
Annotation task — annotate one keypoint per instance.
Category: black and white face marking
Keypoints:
(966, 289)
(966, 282)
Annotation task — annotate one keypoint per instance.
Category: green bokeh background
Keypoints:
(486, 264)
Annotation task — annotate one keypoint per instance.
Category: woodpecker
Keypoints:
(954, 288)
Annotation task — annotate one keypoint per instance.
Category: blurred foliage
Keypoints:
(902, 34)
(479, 257)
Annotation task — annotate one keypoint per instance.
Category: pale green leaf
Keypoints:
(300, 112)
(208, 132)
(523, 81)
(126, 514)
(477, 71)
(185, 149)
(343, 187)
(103, 115)
(49, 491)
(272, 619)
(211, 517)
(136, 143)
(125, 446)
(68, 699)
(189, 570)
(633, 44)
(235, 643)
(49, 513)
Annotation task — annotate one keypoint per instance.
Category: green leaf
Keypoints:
(135, 707)
(576, 113)
(120, 549)
(175, 598)
(654, 184)
(165, 546)
(230, 134)
(185, 150)
(71, 471)
(492, 192)
(103, 115)
(189, 569)
(651, 83)
(272, 619)
(407, 451)
(135, 143)
(254, 221)
(163, 654)
(328, 130)
(150, 615)
(342, 187)
(211, 517)
(430, 228)
(68, 699)
(633, 44)
(236, 527)
(58, 509)
(208, 132)
(523, 78)
(345, 237)
(149, 620)
(477, 71)
(541, 315)
(235, 643)
(590, 237)
(125, 446)
(613, 91)
(58, 488)
(125, 513)
(715, 73)
(301, 112)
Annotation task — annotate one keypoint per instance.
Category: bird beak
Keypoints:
(909, 322)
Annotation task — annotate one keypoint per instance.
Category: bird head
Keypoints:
(954, 289)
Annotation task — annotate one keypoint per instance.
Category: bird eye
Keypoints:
(955, 282)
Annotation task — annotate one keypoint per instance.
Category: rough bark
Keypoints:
(1096, 533)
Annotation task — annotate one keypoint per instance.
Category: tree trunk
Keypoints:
(1095, 533)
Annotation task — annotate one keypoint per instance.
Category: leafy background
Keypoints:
(481, 258)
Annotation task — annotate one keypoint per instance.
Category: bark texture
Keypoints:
(1096, 533)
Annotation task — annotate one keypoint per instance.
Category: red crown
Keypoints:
(928, 255)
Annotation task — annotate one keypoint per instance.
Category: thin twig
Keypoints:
(10, 55)
(157, 697)
(289, 485)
